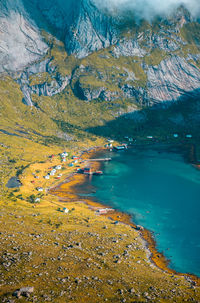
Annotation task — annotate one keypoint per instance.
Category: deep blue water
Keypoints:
(162, 193)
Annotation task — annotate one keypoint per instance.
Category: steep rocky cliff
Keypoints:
(106, 57)
(20, 39)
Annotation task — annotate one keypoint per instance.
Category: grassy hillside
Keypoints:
(82, 257)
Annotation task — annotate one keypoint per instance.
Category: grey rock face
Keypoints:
(128, 48)
(87, 93)
(50, 89)
(172, 78)
(20, 40)
(56, 86)
(86, 29)
(139, 94)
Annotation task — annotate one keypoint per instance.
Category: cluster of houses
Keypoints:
(109, 144)
(75, 160)
(63, 156)
(55, 169)
(53, 172)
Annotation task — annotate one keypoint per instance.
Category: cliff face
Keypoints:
(82, 26)
(172, 78)
(20, 39)
(112, 56)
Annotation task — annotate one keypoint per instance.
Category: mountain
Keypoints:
(20, 40)
(78, 66)
(150, 63)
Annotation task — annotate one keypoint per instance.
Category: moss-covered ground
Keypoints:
(79, 257)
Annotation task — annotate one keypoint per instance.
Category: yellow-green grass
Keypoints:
(73, 257)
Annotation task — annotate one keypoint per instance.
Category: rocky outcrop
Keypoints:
(55, 87)
(89, 93)
(129, 48)
(51, 88)
(138, 94)
(173, 78)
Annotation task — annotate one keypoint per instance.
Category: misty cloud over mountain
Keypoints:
(148, 9)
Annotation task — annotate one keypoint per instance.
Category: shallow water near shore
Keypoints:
(162, 193)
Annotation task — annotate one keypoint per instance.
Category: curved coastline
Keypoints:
(68, 191)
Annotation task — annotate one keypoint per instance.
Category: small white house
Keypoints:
(175, 135)
(47, 177)
(40, 189)
(64, 154)
(37, 200)
(58, 167)
(188, 136)
(104, 211)
(65, 210)
(149, 137)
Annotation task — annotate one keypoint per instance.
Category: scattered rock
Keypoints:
(24, 291)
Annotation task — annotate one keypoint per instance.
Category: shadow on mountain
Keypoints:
(182, 116)
(52, 16)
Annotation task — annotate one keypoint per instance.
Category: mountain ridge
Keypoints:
(146, 63)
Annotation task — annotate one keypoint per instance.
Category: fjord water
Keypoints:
(162, 193)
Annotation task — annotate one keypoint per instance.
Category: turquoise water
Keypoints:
(162, 193)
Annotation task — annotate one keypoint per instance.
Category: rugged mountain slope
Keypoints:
(74, 52)
(142, 62)
(20, 40)
(85, 74)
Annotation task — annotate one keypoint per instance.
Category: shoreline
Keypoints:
(66, 191)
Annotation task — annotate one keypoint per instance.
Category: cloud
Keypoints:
(148, 9)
